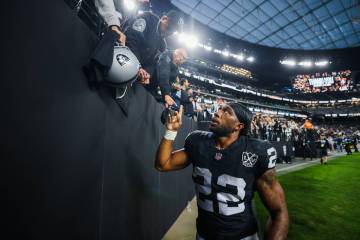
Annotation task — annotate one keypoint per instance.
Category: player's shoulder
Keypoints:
(259, 145)
(199, 135)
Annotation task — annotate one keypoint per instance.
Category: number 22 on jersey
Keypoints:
(203, 186)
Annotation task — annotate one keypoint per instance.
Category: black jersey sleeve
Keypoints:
(267, 157)
(163, 71)
(135, 40)
(190, 141)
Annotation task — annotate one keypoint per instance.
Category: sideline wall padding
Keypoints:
(75, 167)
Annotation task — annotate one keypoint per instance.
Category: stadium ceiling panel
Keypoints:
(292, 24)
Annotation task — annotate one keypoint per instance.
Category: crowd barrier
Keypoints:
(77, 167)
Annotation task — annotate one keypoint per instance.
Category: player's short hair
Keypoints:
(244, 116)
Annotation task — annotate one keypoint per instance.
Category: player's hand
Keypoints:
(122, 38)
(174, 122)
(144, 76)
(169, 101)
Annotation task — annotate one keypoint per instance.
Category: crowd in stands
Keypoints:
(269, 127)
(324, 82)
(195, 98)
(272, 128)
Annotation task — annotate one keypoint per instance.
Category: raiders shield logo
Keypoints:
(139, 25)
(249, 159)
(122, 59)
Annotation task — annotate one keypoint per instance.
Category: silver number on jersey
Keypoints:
(204, 188)
(225, 198)
(272, 157)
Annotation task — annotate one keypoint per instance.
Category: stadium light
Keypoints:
(250, 59)
(238, 57)
(130, 4)
(321, 63)
(288, 62)
(190, 40)
(207, 48)
(225, 53)
(305, 63)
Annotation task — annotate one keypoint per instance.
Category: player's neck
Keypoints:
(226, 141)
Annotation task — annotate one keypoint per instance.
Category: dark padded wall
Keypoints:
(75, 166)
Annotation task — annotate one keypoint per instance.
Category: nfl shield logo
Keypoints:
(218, 156)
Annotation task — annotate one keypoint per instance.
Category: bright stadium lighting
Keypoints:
(207, 48)
(225, 53)
(241, 57)
(130, 4)
(181, 37)
(238, 57)
(321, 63)
(250, 59)
(288, 62)
(190, 40)
(305, 63)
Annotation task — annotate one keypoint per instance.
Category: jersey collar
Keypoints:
(239, 141)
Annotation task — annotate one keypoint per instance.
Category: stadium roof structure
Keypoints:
(291, 24)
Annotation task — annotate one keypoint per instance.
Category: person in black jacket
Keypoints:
(145, 36)
(167, 70)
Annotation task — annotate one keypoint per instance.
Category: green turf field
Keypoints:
(323, 200)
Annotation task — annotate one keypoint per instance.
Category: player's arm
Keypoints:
(166, 159)
(273, 197)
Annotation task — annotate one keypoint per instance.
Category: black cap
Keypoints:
(244, 116)
(176, 21)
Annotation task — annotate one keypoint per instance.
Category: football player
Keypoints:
(228, 167)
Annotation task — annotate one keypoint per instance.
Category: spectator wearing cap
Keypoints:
(146, 37)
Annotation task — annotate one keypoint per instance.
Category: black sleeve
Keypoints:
(190, 141)
(267, 157)
(163, 45)
(135, 37)
(103, 54)
(163, 71)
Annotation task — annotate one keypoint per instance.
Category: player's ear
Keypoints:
(239, 126)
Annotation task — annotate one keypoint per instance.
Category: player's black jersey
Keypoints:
(225, 183)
